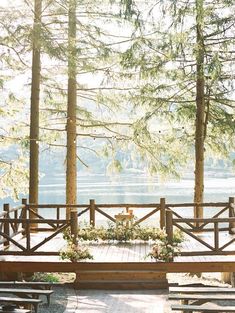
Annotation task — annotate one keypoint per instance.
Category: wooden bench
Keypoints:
(12, 309)
(208, 308)
(33, 284)
(21, 301)
(201, 298)
(202, 290)
(24, 293)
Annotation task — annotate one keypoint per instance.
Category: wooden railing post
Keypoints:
(6, 223)
(216, 236)
(162, 213)
(27, 234)
(231, 214)
(24, 211)
(92, 212)
(74, 225)
(169, 225)
(58, 216)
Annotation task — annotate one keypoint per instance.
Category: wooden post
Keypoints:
(27, 231)
(74, 225)
(216, 236)
(92, 212)
(228, 277)
(24, 211)
(162, 213)
(169, 225)
(231, 214)
(58, 216)
(6, 223)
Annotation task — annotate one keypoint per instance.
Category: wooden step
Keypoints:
(122, 285)
(120, 275)
(122, 279)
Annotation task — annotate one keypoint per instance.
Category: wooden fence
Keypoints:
(23, 220)
(195, 227)
(16, 223)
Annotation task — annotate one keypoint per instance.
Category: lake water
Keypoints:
(134, 188)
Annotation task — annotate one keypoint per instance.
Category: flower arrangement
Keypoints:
(117, 232)
(165, 251)
(74, 251)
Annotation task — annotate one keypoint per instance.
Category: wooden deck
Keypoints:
(131, 255)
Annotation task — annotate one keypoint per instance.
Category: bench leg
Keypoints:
(48, 300)
(35, 308)
(27, 307)
(185, 302)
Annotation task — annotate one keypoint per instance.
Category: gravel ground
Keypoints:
(59, 300)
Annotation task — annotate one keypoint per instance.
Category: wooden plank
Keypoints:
(206, 290)
(206, 220)
(120, 275)
(21, 301)
(170, 267)
(192, 235)
(41, 218)
(31, 284)
(7, 309)
(209, 204)
(139, 285)
(105, 214)
(25, 292)
(33, 249)
(212, 308)
(214, 216)
(198, 296)
(146, 216)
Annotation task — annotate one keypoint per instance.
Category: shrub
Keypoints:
(44, 277)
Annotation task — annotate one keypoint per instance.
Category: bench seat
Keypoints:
(208, 308)
(35, 293)
(31, 284)
(13, 310)
(204, 297)
(21, 301)
(202, 290)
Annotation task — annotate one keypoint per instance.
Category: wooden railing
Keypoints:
(16, 224)
(92, 208)
(104, 209)
(21, 221)
(195, 227)
(9, 227)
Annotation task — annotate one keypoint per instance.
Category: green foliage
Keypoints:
(44, 277)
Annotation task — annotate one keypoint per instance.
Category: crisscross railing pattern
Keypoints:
(24, 219)
(195, 227)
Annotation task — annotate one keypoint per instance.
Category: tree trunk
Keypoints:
(71, 168)
(34, 109)
(200, 112)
